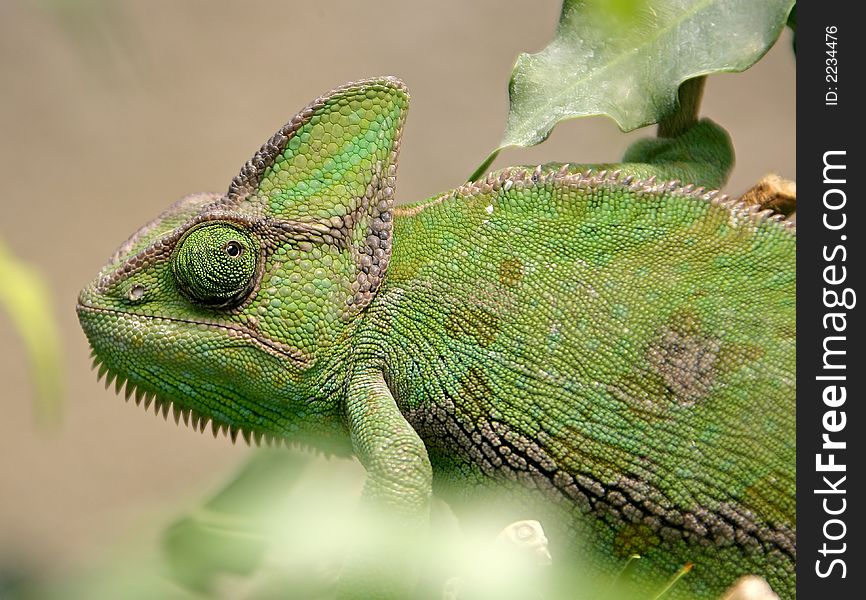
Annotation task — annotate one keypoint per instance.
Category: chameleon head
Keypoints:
(231, 308)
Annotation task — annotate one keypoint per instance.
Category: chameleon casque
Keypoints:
(616, 342)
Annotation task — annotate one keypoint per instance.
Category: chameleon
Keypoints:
(610, 339)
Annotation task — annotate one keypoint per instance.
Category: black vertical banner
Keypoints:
(831, 226)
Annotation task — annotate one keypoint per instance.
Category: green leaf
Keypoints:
(627, 58)
(24, 297)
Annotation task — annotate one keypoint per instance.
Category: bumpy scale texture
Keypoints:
(623, 347)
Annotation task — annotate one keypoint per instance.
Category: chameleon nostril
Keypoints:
(135, 293)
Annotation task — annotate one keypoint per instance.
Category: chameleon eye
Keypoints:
(215, 264)
(234, 249)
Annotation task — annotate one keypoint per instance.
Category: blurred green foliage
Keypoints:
(25, 299)
(283, 527)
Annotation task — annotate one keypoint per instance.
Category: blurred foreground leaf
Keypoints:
(627, 58)
(287, 522)
(24, 297)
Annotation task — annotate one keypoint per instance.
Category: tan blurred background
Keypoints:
(110, 110)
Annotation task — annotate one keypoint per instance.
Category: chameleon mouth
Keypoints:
(264, 343)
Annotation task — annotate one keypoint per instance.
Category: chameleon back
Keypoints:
(626, 347)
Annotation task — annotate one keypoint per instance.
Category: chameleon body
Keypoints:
(620, 345)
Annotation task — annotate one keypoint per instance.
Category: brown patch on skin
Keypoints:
(510, 272)
(685, 358)
(472, 324)
(475, 393)
(635, 538)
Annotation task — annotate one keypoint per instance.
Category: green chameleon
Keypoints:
(613, 341)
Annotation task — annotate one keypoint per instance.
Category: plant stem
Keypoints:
(686, 113)
(482, 168)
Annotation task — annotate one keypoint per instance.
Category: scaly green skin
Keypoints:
(622, 347)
